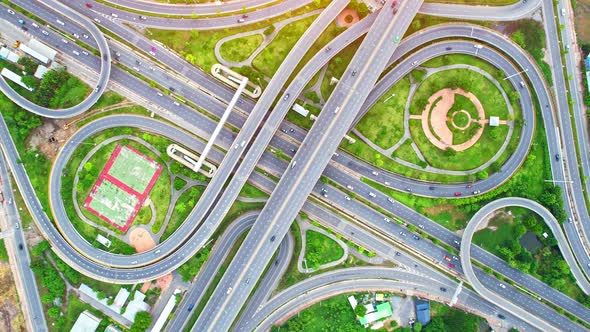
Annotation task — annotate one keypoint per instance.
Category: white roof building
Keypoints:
(121, 297)
(136, 305)
(494, 121)
(40, 72)
(42, 49)
(86, 322)
(14, 77)
(103, 240)
(300, 109)
(8, 55)
(40, 57)
(353, 302)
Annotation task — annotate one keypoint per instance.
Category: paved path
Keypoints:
(304, 226)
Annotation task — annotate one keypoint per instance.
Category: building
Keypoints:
(161, 321)
(40, 72)
(86, 322)
(121, 297)
(14, 77)
(136, 305)
(300, 109)
(422, 311)
(8, 55)
(42, 49)
(494, 121)
(34, 54)
(353, 302)
(112, 328)
(103, 240)
(382, 311)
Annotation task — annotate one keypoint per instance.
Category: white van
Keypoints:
(114, 15)
(372, 194)
(60, 22)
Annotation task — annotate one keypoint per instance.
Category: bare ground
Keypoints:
(11, 318)
(50, 136)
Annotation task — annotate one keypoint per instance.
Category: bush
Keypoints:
(268, 31)
(142, 322)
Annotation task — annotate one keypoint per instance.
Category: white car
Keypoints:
(136, 69)
(11, 12)
(503, 286)
(152, 53)
(176, 103)
(160, 94)
(347, 198)
(75, 52)
(84, 52)
(96, 20)
(85, 36)
(45, 33)
(77, 36)
(35, 25)
(349, 187)
(64, 41)
(60, 22)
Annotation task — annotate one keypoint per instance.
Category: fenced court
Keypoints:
(122, 187)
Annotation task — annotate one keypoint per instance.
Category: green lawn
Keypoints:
(269, 60)
(320, 249)
(73, 92)
(297, 119)
(489, 239)
(179, 183)
(3, 253)
(384, 122)
(407, 153)
(240, 49)
(333, 314)
(252, 192)
(184, 205)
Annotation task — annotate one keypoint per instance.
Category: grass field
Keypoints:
(407, 153)
(240, 49)
(252, 192)
(384, 122)
(337, 66)
(320, 249)
(184, 205)
(134, 170)
(494, 105)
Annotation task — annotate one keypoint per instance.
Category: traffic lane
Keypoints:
(280, 222)
(191, 9)
(93, 97)
(512, 12)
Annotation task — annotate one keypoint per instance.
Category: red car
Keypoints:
(88, 5)
(447, 258)
(394, 3)
(451, 265)
(457, 193)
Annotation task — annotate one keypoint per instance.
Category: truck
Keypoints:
(17, 44)
(21, 22)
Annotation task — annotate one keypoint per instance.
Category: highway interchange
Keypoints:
(96, 265)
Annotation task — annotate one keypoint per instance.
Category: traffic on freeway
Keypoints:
(248, 248)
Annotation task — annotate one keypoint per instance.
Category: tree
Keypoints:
(142, 322)
(101, 295)
(360, 310)
(417, 327)
(46, 298)
(30, 66)
(40, 248)
(30, 81)
(54, 312)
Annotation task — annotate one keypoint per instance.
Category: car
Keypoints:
(176, 103)
(291, 130)
(347, 198)
(414, 63)
(390, 200)
(114, 15)
(160, 94)
(60, 23)
(171, 89)
(397, 253)
(408, 189)
(447, 258)
(84, 52)
(152, 53)
(88, 5)
(416, 237)
(451, 265)
(457, 242)
(75, 52)
(64, 41)
(97, 88)
(77, 36)
(402, 233)
(387, 219)
(247, 281)
(457, 193)
(141, 17)
(569, 220)
(157, 251)
(349, 187)
(374, 173)
(475, 192)
(396, 39)
(244, 16)
(421, 226)
(442, 289)
(191, 306)
(241, 20)
(372, 194)
(272, 238)
(448, 48)
(136, 69)
(35, 25)
(229, 290)
(284, 130)
(286, 96)
(20, 246)
(16, 225)
(85, 36)
(455, 258)
(557, 157)
(503, 286)
(96, 20)
(24, 28)
(501, 316)
(11, 12)
(353, 72)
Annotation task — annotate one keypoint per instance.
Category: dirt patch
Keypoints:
(50, 136)
(164, 282)
(11, 318)
(141, 240)
(582, 19)
(457, 217)
(347, 18)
